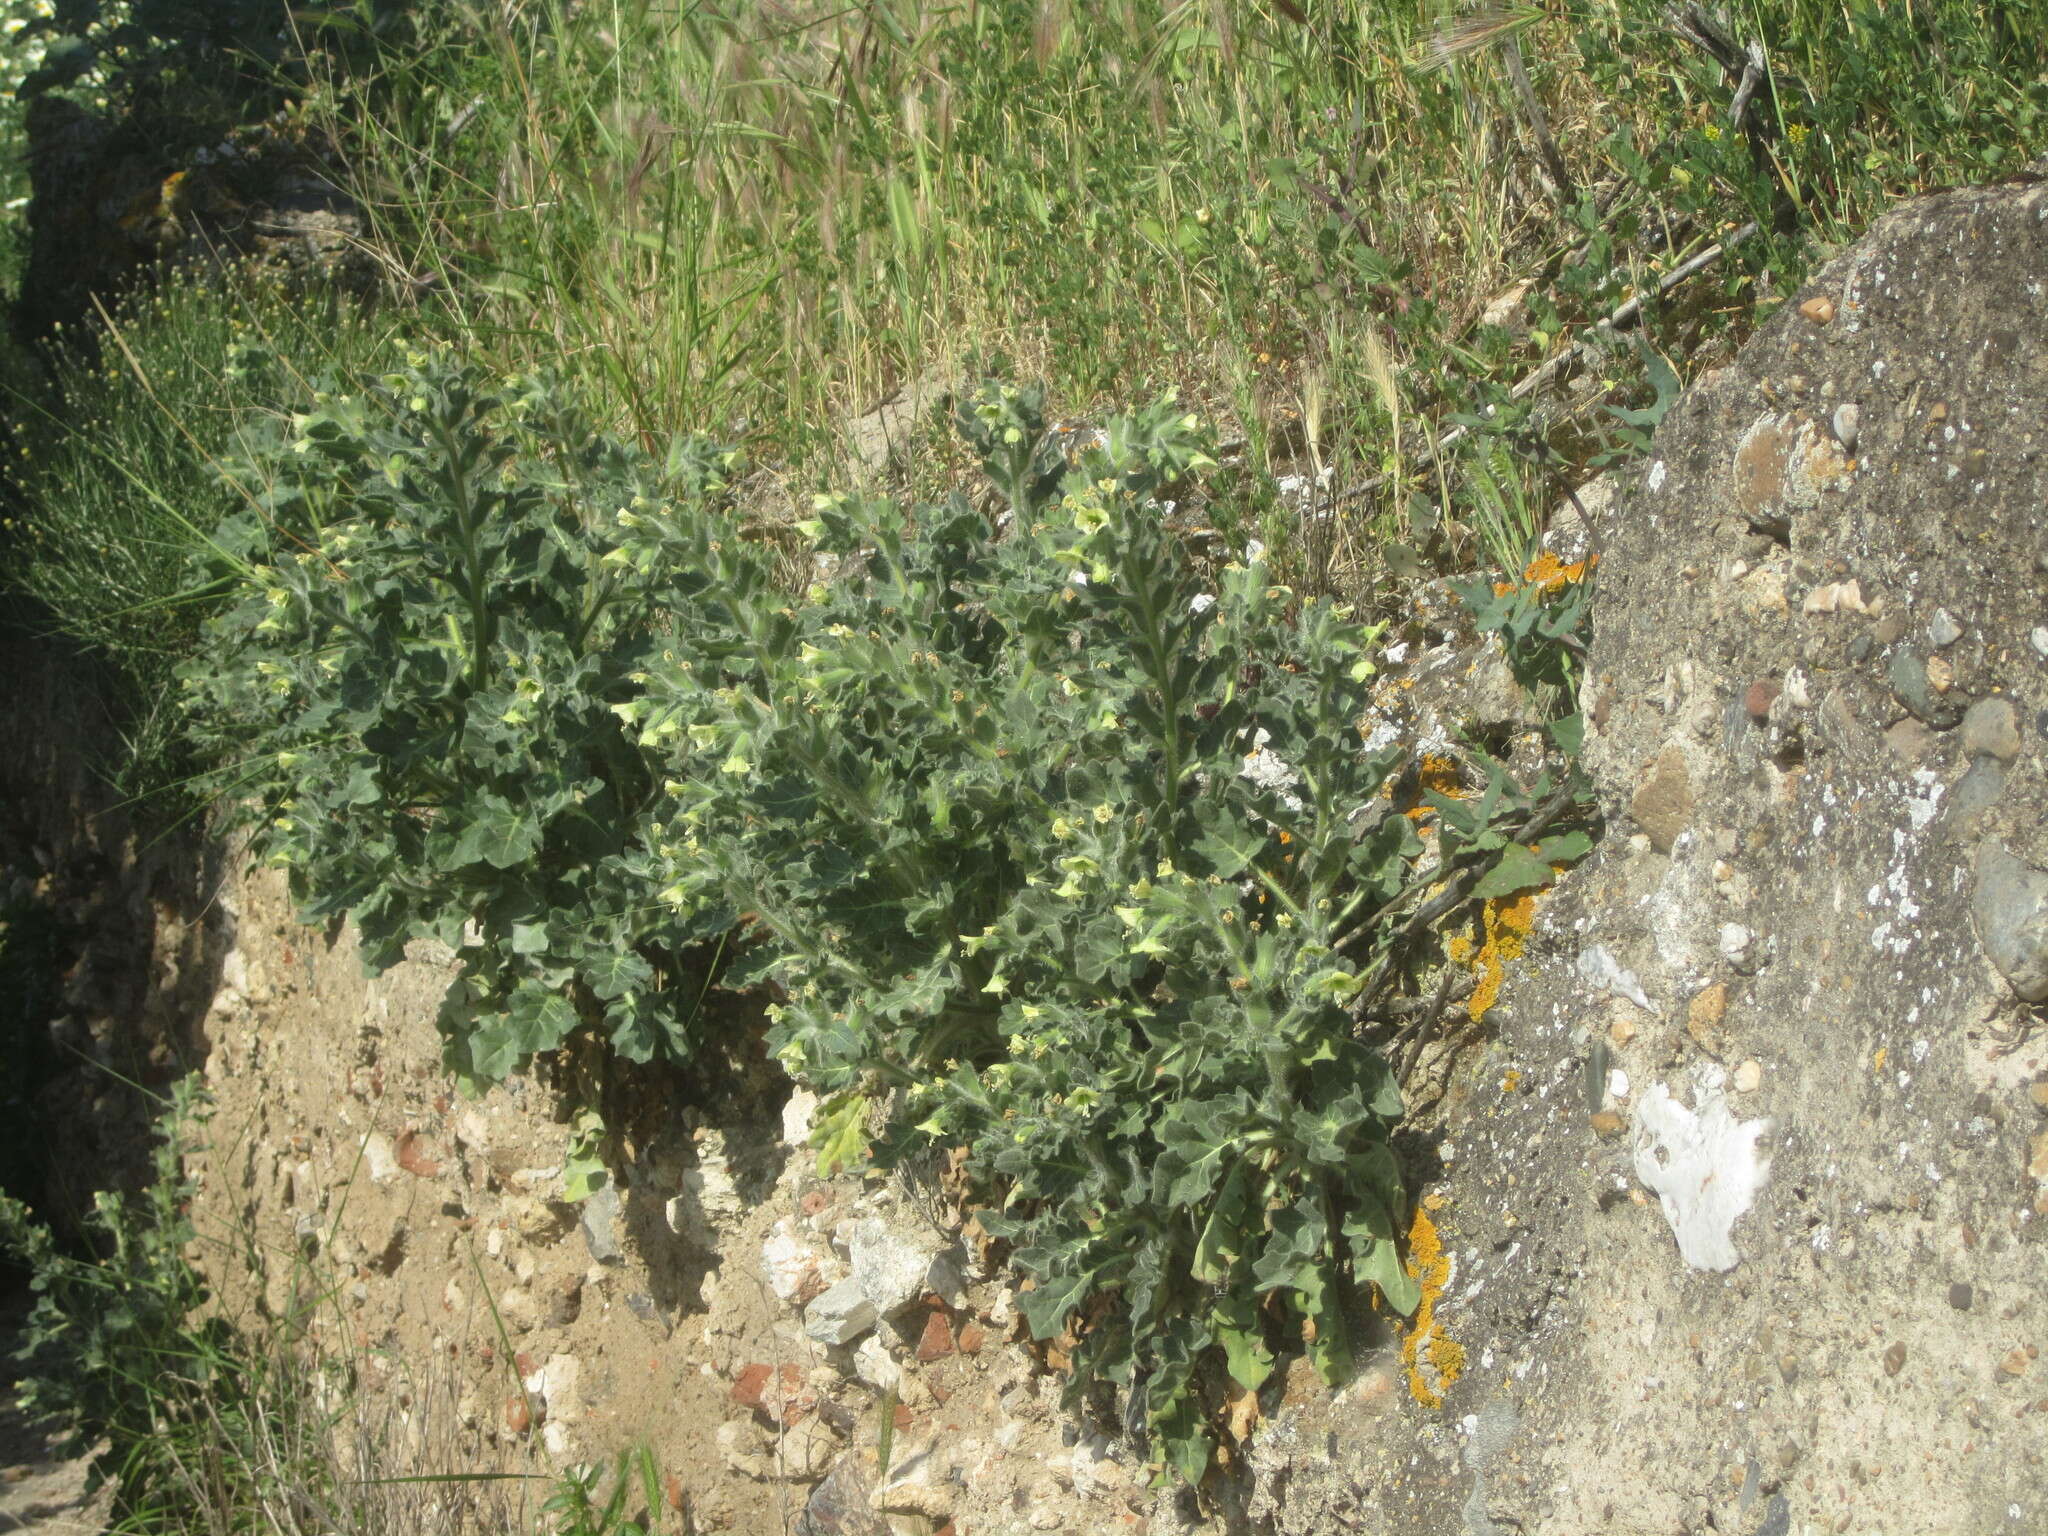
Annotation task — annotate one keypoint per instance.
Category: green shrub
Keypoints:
(1067, 861)
(1053, 853)
(449, 586)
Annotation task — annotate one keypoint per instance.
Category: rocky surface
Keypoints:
(1742, 1214)
(752, 1324)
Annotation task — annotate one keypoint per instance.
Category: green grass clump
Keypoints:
(111, 486)
(759, 221)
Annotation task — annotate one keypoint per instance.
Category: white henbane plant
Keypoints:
(991, 827)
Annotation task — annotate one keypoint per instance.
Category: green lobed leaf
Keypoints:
(1235, 1322)
(1047, 1306)
(1517, 869)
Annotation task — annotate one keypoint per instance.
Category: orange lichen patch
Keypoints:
(1506, 921)
(1441, 774)
(1435, 774)
(1550, 574)
(1432, 1360)
(1553, 575)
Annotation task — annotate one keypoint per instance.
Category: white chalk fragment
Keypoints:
(1600, 970)
(1703, 1165)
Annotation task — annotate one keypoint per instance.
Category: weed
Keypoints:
(448, 595)
(112, 495)
(1060, 857)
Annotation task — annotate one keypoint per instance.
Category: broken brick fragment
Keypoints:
(781, 1397)
(937, 1340)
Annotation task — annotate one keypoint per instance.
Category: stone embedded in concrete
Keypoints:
(1662, 805)
(1910, 740)
(1975, 793)
(1704, 1012)
(2010, 905)
(1913, 686)
(1991, 728)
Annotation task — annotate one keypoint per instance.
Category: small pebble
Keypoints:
(1959, 1296)
(1895, 1359)
(1820, 309)
(1847, 417)
(1748, 1077)
(1706, 1010)
(2039, 640)
(1943, 629)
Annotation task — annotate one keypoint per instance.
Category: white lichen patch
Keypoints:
(1704, 1166)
